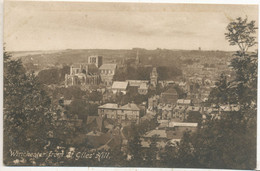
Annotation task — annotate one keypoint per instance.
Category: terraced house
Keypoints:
(129, 112)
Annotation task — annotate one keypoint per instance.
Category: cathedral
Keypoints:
(85, 74)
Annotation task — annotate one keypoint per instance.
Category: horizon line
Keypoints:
(134, 48)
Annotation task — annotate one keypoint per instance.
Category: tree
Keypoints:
(223, 93)
(53, 75)
(78, 108)
(241, 33)
(49, 76)
(135, 150)
(95, 96)
(27, 110)
(152, 152)
(194, 116)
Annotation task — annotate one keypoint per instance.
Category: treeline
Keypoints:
(53, 75)
(143, 73)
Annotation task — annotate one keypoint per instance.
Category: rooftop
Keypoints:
(130, 106)
(186, 124)
(119, 85)
(108, 66)
(109, 106)
(160, 133)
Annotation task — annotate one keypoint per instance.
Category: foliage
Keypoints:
(135, 150)
(53, 75)
(27, 109)
(143, 73)
(69, 93)
(223, 93)
(194, 117)
(241, 33)
(95, 96)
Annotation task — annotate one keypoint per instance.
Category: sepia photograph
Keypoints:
(130, 84)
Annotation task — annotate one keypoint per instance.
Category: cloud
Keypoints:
(48, 25)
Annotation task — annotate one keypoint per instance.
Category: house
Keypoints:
(170, 96)
(119, 87)
(129, 112)
(184, 102)
(107, 72)
(153, 102)
(136, 83)
(160, 135)
(179, 112)
(175, 130)
(143, 89)
(141, 85)
(167, 111)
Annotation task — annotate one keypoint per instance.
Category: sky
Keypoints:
(30, 26)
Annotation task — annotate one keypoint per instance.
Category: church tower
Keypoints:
(154, 77)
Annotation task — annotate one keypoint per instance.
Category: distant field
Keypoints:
(158, 57)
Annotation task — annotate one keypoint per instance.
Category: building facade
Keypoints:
(107, 72)
(128, 112)
(97, 60)
(82, 74)
(170, 96)
(119, 87)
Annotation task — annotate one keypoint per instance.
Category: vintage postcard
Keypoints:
(112, 84)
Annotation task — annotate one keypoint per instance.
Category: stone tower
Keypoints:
(97, 60)
(154, 77)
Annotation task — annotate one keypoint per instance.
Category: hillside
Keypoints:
(160, 57)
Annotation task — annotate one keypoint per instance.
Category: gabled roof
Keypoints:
(108, 66)
(120, 85)
(130, 106)
(109, 106)
(160, 133)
